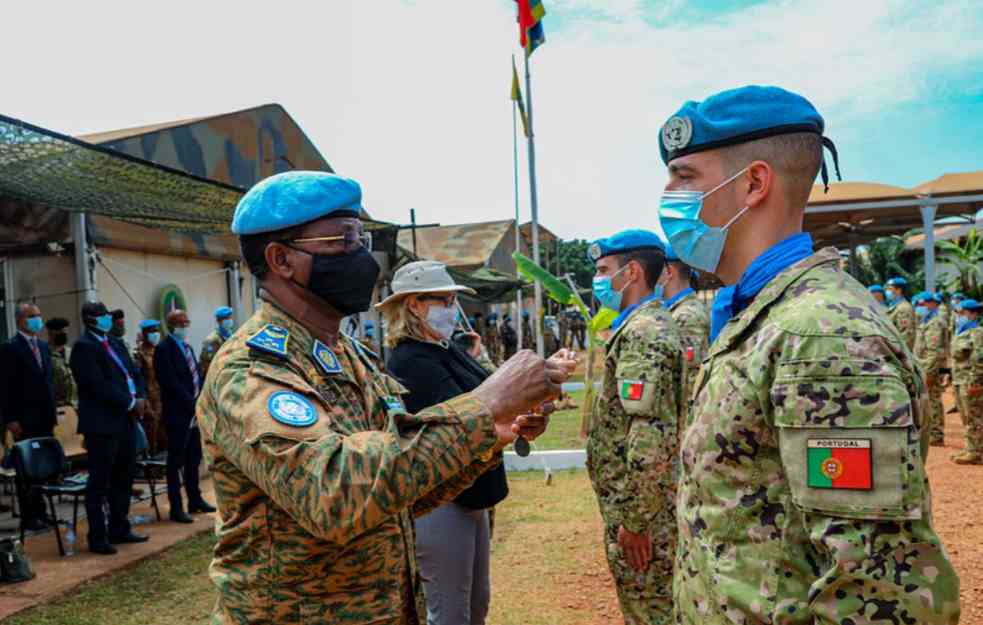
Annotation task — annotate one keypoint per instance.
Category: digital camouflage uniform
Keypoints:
(632, 456)
(903, 317)
(143, 358)
(209, 347)
(492, 342)
(66, 393)
(930, 353)
(967, 377)
(693, 320)
(315, 517)
(811, 364)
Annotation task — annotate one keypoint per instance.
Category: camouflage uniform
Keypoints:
(967, 372)
(693, 320)
(492, 342)
(903, 317)
(143, 358)
(315, 518)
(929, 352)
(765, 535)
(66, 393)
(209, 347)
(632, 456)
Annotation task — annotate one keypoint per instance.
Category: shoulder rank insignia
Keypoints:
(272, 339)
(362, 350)
(290, 408)
(325, 358)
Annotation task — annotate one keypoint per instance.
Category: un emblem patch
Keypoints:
(594, 251)
(290, 408)
(677, 133)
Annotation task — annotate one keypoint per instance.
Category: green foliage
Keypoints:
(573, 260)
(887, 258)
(965, 256)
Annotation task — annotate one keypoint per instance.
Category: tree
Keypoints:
(966, 256)
(573, 260)
(886, 258)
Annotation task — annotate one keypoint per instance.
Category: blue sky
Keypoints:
(410, 97)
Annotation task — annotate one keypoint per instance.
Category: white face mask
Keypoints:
(442, 320)
(180, 333)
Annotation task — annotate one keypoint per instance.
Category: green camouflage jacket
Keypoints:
(967, 357)
(143, 358)
(66, 393)
(693, 320)
(633, 443)
(803, 497)
(930, 346)
(903, 317)
(318, 471)
(209, 347)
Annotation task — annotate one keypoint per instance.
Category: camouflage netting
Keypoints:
(43, 167)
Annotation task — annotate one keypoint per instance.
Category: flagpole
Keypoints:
(518, 238)
(534, 205)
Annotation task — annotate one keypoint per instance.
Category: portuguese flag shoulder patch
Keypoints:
(632, 390)
(840, 463)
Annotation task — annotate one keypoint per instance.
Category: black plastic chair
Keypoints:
(41, 466)
(153, 470)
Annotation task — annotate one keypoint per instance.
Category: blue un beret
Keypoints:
(924, 296)
(898, 282)
(969, 304)
(148, 324)
(875, 288)
(939, 298)
(738, 116)
(294, 198)
(624, 241)
(222, 312)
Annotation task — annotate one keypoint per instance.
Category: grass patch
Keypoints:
(547, 567)
(564, 429)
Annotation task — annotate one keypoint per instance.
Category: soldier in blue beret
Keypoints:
(794, 476)
(967, 349)
(877, 292)
(633, 438)
(224, 325)
(310, 444)
(900, 310)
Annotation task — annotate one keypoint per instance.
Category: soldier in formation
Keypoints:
(66, 393)
(967, 376)
(930, 353)
(225, 324)
(318, 467)
(633, 441)
(492, 339)
(143, 359)
(900, 311)
(877, 292)
(803, 496)
(691, 316)
(510, 339)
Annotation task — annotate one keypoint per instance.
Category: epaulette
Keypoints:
(272, 339)
(366, 354)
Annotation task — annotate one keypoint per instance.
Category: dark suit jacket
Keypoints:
(177, 387)
(104, 396)
(28, 395)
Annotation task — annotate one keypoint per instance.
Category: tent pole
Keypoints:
(928, 223)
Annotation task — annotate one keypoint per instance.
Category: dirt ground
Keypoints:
(555, 572)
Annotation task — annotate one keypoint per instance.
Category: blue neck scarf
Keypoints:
(967, 326)
(731, 300)
(931, 315)
(678, 296)
(626, 312)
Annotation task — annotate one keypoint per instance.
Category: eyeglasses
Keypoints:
(446, 300)
(353, 239)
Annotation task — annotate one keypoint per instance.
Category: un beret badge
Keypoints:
(677, 133)
(594, 251)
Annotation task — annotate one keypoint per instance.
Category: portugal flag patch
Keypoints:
(840, 463)
(631, 390)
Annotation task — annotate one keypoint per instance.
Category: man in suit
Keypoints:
(111, 399)
(180, 381)
(29, 400)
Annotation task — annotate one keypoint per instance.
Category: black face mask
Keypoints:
(345, 281)
(59, 339)
(118, 331)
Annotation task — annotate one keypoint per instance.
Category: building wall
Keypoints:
(48, 280)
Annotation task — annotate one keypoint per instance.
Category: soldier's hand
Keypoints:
(475, 350)
(531, 426)
(522, 383)
(637, 548)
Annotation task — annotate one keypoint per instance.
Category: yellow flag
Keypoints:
(517, 98)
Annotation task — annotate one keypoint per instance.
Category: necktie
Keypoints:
(37, 352)
(190, 359)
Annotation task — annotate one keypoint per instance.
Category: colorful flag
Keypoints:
(517, 98)
(531, 34)
(843, 463)
(632, 390)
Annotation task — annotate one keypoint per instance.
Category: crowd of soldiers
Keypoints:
(943, 334)
(499, 335)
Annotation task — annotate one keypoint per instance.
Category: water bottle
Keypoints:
(70, 540)
(140, 519)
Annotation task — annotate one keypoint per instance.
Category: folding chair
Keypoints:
(153, 469)
(41, 466)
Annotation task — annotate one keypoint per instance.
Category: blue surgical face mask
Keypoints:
(962, 323)
(153, 338)
(104, 323)
(180, 333)
(605, 293)
(227, 324)
(921, 311)
(35, 324)
(697, 244)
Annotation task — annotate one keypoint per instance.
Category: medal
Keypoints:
(521, 447)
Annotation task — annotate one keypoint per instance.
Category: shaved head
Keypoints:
(177, 318)
(795, 157)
